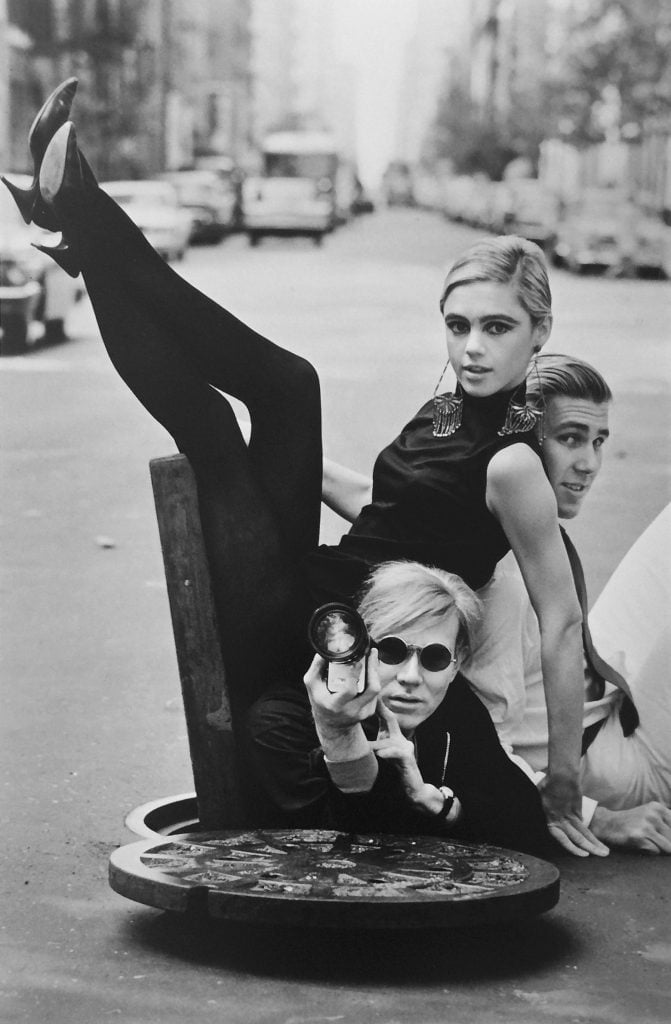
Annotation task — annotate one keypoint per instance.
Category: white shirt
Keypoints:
(505, 672)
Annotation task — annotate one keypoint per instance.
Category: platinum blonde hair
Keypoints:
(505, 259)
(398, 595)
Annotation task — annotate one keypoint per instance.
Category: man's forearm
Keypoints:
(349, 760)
(342, 743)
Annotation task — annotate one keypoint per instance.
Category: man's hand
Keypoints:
(337, 706)
(562, 800)
(646, 828)
(392, 745)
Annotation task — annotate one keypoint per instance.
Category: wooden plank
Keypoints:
(202, 673)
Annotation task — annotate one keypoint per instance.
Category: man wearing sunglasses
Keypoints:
(398, 742)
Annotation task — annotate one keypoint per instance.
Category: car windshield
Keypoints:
(196, 187)
(154, 196)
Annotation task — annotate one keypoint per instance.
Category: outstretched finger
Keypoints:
(388, 721)
(578, 836)
(662, 844)
(560, 837)
(571, 823)
(372, 673)
(586, 839)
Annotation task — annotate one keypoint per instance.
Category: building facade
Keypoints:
(160, 80)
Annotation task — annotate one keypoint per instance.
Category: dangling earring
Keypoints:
(540, 422)
(447, 409)
(520, 418)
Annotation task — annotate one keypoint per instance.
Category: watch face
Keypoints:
(449, 798)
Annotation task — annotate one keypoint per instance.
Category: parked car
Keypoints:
(154, 207)
(531, 211)
(362, 202)
(398, 184)
(286, 206)
(649, 243)
(466, 199)
(231, 177)
(593, 231)
(209, 201)
(428, 190)
(33, 289)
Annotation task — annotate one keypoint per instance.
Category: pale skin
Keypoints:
(402, 696)
(490, 340)
(576, 429)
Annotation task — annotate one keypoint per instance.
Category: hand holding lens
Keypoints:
(339, 635)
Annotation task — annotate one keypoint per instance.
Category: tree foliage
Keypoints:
(614, 71)
(470, 142)
(610, 75)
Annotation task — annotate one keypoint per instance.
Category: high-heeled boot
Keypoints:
(53, 113)
(61, 180)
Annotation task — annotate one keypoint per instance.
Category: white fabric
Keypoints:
(631, 629)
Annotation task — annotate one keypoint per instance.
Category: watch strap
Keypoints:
(448, 805)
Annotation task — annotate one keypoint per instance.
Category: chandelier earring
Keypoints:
(447, 408)
(540, 422)
(520, 417)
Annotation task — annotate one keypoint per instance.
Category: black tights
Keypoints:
(173, 347)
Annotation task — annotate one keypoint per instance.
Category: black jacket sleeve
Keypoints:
(501, 806)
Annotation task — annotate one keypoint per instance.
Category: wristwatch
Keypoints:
(449, 798)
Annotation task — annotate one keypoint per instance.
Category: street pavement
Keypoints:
(92, 723)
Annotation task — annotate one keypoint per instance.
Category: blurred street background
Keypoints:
(546, 118)
(384, 136)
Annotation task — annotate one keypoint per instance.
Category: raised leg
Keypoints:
(173, 346)
(280, 389)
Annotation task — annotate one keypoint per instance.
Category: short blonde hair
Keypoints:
(505, 259)
(400, 594)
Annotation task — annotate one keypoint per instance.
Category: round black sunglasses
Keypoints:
(393, 650)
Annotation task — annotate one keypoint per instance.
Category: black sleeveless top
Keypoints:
(428, 504)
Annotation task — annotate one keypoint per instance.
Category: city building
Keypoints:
(299, 80)
(438, 35)
(160, 80)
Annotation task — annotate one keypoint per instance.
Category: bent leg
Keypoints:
(157, 328)
(259, 506)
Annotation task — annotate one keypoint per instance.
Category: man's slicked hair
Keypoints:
(554, 374)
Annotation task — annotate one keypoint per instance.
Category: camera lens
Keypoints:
(338, 633)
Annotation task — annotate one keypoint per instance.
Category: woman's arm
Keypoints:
(344, 490)
(520, 496)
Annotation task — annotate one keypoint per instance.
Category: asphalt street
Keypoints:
(92, 723)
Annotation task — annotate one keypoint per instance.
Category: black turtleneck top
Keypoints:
(428, 504)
